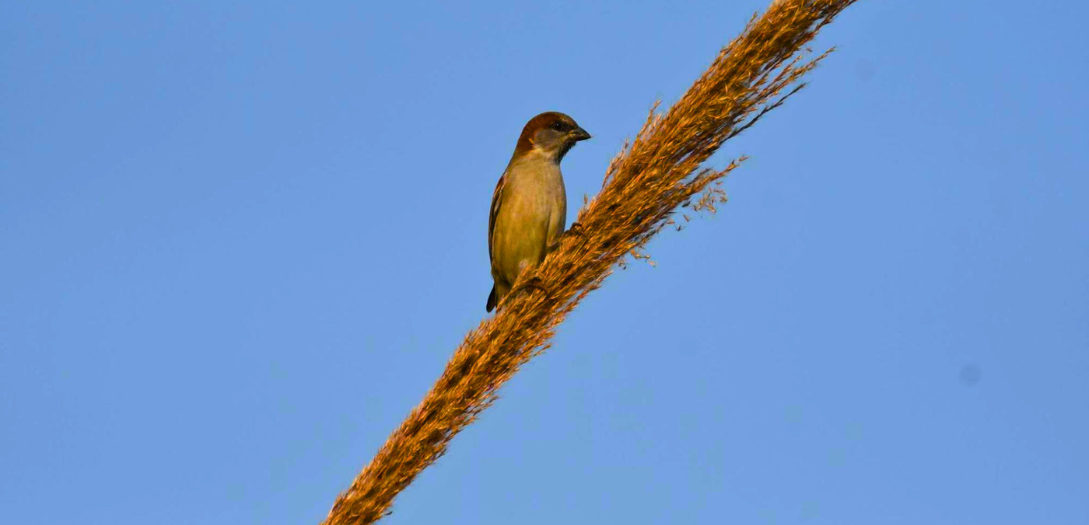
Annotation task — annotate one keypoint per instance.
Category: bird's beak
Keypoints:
(579, 134)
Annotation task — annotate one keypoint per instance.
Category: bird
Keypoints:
(529, 205)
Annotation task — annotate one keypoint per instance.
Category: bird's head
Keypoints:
(552, 134)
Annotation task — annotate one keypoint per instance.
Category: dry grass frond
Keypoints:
(651, 178)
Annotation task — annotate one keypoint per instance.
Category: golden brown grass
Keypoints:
(650, 179)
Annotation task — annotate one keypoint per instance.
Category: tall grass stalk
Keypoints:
(654, 176)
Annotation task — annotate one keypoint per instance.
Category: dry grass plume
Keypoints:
(654, 176)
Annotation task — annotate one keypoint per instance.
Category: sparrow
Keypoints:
(529, 206)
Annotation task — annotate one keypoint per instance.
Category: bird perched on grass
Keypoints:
(529, 206)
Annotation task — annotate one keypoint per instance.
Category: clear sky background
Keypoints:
(239, 241)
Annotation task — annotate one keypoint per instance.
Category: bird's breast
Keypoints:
(538, 185)
(531, 216)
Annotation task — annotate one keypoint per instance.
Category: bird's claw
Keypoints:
(532, 282)
(575, 230)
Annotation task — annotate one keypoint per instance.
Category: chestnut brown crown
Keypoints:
(551, 132)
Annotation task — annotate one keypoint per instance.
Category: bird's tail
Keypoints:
(492, 299)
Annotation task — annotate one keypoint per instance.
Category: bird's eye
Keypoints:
(558, 126)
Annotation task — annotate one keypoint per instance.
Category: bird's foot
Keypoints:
(533, 282)
(575, 230)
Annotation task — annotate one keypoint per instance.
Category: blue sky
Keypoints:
(238, 242)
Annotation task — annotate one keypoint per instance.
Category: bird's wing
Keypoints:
(497, 198)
